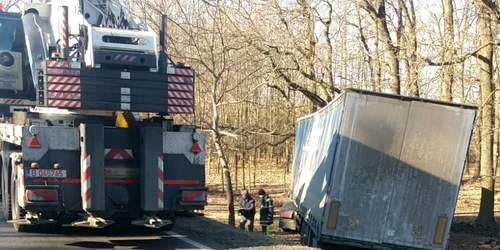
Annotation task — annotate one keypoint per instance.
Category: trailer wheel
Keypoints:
(307, 237)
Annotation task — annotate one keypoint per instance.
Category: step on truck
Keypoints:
(378, 171)
(88, 139)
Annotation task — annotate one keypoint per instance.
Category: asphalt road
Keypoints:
(88, 238)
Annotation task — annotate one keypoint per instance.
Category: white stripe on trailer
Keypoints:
(85, 176)
(179, 94)
(180, 102)
(182, 87)
(180, 110)
(10, 101)
(160, 182)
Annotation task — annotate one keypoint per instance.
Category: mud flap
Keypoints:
(151, 150)
(92, 167)
(151, 180)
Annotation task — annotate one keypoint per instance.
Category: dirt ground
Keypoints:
(231, 237)
(463, 235)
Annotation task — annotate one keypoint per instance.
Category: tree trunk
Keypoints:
(228, 186)
(254, 166)
(236, 162)
(372, 58)
(219, 165)
(378, 61)
(329, 66)
(378, 13)
(392, 50)
(243, 166)
(477, 170)
(486, 212)
(411, 43)
(496, 118)
(447, 81)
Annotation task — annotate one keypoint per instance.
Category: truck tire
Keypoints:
(306, 235)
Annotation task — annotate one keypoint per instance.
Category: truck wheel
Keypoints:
(307, 237)
(17, 212)
(304, 233)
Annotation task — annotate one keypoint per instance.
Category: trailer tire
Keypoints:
(307, 236)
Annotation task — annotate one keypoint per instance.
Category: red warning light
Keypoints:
(34, 143)
(195, 148)
(1, 7)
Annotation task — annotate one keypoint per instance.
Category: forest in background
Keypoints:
(261, 64)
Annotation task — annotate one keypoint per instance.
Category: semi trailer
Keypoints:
(75, 151)
(378, 171)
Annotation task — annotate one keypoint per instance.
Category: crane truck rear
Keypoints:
(75, 152)
(378, 171)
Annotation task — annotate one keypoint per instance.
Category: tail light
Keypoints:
(194, 196)
(286, 215)
(41, 195)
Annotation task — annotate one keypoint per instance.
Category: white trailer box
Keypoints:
(380, 171)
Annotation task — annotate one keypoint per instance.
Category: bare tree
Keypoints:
(449, 41)
(11, 5)
(373, 58)
(486, 10)
(378, 13)
(411, 47)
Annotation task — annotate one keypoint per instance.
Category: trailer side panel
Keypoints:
(313, 168)
(425, 194)
(361, 185)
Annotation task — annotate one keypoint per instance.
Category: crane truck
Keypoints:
(74, 74)
(378, 171)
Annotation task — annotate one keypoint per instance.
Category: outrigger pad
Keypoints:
(152, 222)
(94, 222)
